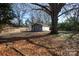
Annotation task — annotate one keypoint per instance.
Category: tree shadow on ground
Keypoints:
(12, 39)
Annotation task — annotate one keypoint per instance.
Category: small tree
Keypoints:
(5, 14)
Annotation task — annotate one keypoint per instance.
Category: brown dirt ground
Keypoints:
(34, 44)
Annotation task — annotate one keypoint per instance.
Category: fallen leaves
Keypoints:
(39, 44)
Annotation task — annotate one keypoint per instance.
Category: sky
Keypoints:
(61, 19)
(28, 12)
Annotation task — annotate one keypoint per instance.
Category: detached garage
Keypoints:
(39, 27)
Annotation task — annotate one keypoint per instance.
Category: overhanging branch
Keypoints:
(43, 7)
(37, 9)
(67, 11)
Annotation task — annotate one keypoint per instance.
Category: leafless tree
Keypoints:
(20, 10)
(53, 10)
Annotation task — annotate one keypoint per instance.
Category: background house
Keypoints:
(36, 27)
(39, 27)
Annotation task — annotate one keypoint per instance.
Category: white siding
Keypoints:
(45, 28)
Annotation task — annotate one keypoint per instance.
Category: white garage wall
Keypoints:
(45, 28)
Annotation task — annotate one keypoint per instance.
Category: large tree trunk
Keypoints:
(54, 22)
(55, 9)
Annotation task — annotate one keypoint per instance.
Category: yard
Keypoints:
(25, 28)
(39, 44)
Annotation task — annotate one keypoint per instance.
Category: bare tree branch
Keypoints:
(43, 7)
(38, 9)
(61, 4)
(68, 11)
